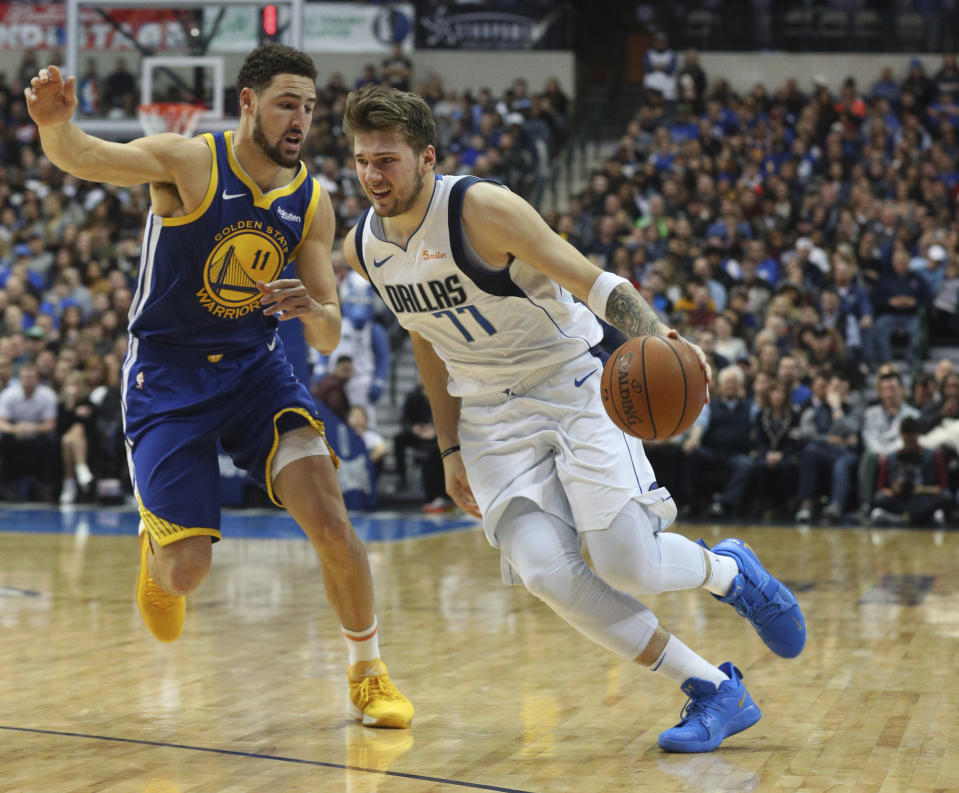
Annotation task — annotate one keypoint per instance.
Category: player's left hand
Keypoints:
(374, 393)
(458, 486)
(672, 333)
(286, 298)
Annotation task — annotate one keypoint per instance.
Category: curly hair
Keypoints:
(266, 62)
(381, 108)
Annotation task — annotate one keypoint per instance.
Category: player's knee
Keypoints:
(558, 583)
(628, 555)
(625, 574)
(185, 573)
(184, 577)
(545, 585)
(332, 535)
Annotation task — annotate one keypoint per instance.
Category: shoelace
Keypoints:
(698, 707)
(760, 615)
(379, 685)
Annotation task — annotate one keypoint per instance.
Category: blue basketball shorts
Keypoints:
(177, 406)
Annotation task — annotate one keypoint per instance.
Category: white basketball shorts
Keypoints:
(548, 439)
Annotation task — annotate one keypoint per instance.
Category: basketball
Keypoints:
(653, 387)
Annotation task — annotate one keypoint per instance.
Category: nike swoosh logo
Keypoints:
(582, 380)
(271, 344)
(740, 703)
(227, 196)
(381, 262)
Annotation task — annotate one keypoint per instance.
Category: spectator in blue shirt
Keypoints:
(900, 296)
(886, 87)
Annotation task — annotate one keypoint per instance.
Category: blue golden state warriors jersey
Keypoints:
(196, 286)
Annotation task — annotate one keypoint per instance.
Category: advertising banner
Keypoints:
(327, 27)
(495, 26)
(26, 26)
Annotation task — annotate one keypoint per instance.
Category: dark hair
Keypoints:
(266, 62)
(909, 426)
(375, 108)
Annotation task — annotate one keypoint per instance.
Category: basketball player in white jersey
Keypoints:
(510, 363)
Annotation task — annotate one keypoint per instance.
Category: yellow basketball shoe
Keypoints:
(374, 700)
(162, 612)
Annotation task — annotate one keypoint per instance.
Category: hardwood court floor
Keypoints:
(251, 699)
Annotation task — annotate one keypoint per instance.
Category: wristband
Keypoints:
(449, 451)
(600, 291)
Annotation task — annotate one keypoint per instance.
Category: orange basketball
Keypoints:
(653, 387)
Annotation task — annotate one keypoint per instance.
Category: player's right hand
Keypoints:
(672, 333)
(50, 100)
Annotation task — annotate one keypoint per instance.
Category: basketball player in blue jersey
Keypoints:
(510, 363)
(205, 362)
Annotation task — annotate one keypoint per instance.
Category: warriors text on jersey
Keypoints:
(197, 282)
(492, 327)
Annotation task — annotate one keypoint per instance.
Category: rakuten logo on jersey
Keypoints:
(288, 216)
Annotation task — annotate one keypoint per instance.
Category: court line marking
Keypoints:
(256, 756)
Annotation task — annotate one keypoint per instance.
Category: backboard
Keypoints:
(126, 53)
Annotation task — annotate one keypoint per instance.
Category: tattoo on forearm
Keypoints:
(627, 311)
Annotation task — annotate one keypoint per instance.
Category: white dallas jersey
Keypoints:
(491, 327)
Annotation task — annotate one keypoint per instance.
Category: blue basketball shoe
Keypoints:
(765, 601)
(712, 713)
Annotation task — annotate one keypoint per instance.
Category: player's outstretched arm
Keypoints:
(51, 101)
(500, 224)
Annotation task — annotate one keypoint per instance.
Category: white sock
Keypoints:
(362, 645)
(84, 475)
(723, 569)
(679, 663)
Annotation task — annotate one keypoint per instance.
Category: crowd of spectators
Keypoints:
(69, 252)
(808, 240)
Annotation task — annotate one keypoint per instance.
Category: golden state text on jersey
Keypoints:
(197, 281)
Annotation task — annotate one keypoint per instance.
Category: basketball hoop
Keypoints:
(179, 117)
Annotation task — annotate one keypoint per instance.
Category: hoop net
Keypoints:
(178, 117)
